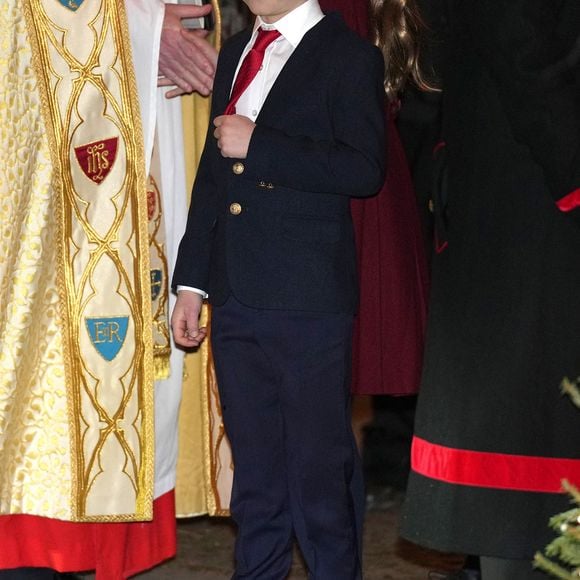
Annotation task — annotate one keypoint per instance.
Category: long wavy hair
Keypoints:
(396, 27)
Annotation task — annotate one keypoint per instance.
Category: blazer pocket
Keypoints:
(311, 229)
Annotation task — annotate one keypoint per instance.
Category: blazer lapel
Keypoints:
(295, 71)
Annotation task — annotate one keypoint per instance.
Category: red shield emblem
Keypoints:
(151, 204)
(152, 195)
(97, 159)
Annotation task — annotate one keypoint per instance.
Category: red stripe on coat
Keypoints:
(492, 470)
(570, 201)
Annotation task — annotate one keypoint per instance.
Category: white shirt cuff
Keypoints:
(191, 289)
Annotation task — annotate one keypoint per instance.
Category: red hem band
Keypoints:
(492, 470)
(114, 550)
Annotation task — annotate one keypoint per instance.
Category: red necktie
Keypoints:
(250, 66)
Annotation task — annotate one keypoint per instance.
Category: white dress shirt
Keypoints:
(292, 28)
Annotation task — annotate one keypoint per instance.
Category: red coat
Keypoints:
(390, 326)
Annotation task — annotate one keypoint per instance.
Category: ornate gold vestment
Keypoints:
(76, 362)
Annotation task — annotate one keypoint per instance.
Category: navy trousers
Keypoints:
(284, 379)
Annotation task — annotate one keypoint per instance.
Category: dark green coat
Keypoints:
(504, 326)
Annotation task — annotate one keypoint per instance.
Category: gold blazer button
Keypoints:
(238, 168)
(235, 209)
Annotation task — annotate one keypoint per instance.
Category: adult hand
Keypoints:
(233, 134)
(185, 319)
(186, 59)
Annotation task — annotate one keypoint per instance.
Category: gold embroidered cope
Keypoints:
(76, 393)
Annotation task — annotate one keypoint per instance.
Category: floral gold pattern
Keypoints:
(34, 428)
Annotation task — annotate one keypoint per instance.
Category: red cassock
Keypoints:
(393, 276)
(114, 550)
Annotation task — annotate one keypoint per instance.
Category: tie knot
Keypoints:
(265, 37)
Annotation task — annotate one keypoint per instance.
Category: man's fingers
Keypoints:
(189, 10)
(174, 91)
(186, 57)
(199, 32)
(199, 50)
(198, 38)
(177, 92)
(188, 69)
(179, 81)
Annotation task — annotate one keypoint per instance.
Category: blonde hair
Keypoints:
(395, 29)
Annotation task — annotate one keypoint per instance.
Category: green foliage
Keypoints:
(562, 555)
(571, 388)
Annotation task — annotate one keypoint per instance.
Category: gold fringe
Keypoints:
(161, 366)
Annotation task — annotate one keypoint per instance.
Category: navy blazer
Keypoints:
(274, 229)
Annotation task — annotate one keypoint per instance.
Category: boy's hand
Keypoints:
(185, 320)
(233, 133)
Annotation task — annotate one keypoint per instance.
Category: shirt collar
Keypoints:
(295, 24)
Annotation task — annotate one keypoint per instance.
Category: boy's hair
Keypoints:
(395, 29)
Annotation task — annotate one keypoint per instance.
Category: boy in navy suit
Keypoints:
(298, 130)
